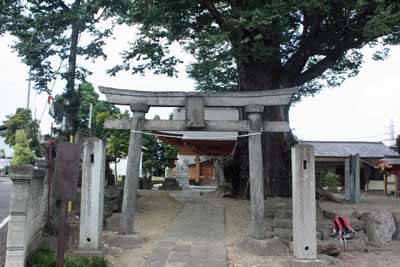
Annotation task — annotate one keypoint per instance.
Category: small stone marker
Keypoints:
(183, 176)
(92, 195)
(304, 207)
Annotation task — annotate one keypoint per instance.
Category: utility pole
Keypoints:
(29, 92)
(392, 132)
(90, 116)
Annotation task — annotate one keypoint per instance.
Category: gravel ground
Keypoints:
(237, 214)
(157, 211)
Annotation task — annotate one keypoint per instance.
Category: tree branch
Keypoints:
(295, 64)
(213, 11)
(316, 70)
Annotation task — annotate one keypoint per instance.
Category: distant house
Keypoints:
(331, 156)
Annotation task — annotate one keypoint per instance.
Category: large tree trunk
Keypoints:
(276, 146)
(71, 96)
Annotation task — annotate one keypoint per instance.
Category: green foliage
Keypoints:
(289, 43)
(87, 96)
(23, 154)
(45, 257)
(117, 140)
(85, 261)
(157, 155)
(43, 32)
(330, 181)
(22, 119)
(47, 34)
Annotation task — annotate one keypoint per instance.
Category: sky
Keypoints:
(361, 109)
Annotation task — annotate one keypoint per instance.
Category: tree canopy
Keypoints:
(255, 45)
(48, 40)
(292, 43)
(22, 120)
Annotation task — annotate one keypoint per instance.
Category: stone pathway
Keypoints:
(195, 239)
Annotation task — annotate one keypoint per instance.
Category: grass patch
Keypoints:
(45, 257)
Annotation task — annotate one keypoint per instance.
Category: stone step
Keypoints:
(282, 223)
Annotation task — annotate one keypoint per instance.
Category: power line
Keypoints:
(367, 137)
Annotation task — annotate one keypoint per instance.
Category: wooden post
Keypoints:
(347, 182)
(304, 206)
(385, 184)
(132, 171)
(396, 185)
(62, 223)
(355, 178)
(256, 172)
(198, 169)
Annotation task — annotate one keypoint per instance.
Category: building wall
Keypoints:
(28, 210)
(378, 185)
(367, 172)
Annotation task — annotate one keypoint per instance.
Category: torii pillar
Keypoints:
(256, 172)
(132, 170)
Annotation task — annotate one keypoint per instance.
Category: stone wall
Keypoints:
(28, 211)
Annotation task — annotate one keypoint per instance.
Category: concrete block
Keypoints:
(19, 196)
(16, 232)
(92, 195)
(304, 203)
(15, 258)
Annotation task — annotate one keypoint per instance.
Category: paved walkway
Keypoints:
(196, 238)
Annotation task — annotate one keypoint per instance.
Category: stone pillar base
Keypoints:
(309, 263)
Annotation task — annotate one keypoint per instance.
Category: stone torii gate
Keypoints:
(253, 104)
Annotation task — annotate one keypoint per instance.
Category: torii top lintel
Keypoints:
(276, 97)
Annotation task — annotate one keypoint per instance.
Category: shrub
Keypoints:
(23, 154)
(45, 257)
(330, 181)
(85, 261)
